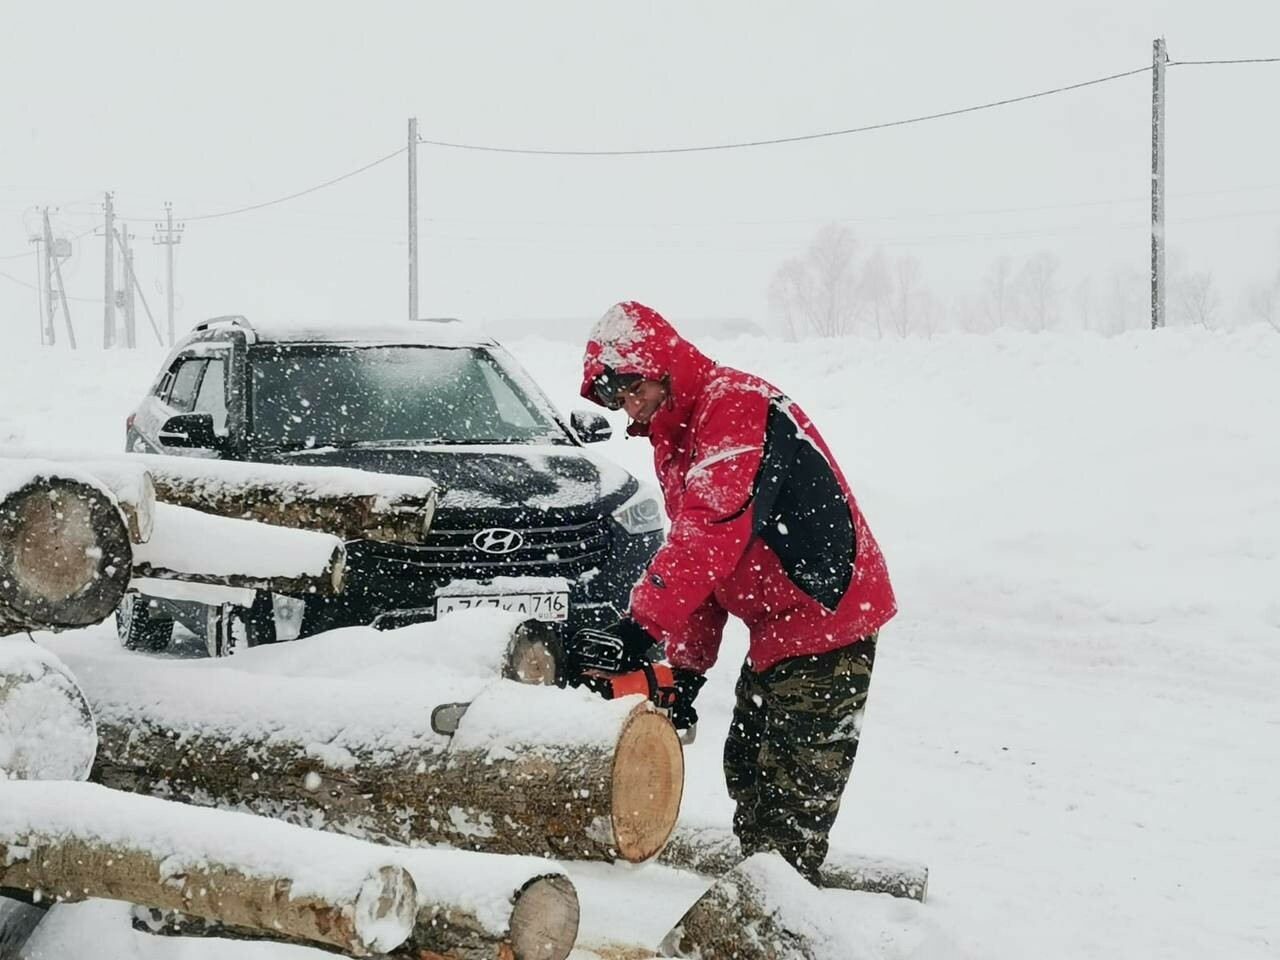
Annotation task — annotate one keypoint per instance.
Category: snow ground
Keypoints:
(1073, 720)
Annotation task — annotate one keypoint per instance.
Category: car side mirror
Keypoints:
(590, 427)
(193, 430)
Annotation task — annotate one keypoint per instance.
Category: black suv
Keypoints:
(529, 519)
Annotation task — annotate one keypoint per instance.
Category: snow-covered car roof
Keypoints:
(442, 332)
(426, 333)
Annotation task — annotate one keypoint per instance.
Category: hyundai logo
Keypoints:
(497, 540)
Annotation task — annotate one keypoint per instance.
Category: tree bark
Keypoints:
(77, 841)
(240, 553)
(531, 769)
(350, 504)
(760, 910)
(64, 549)
(543, 925)
(714, 851)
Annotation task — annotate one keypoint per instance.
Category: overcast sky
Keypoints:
(218, 106)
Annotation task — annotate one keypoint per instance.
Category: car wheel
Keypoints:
(138, 630)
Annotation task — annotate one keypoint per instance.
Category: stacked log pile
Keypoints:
(530, 769)
(349, 504)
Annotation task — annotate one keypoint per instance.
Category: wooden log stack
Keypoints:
(350, 504)
(471, 907)
(73, 841)
(530, 770)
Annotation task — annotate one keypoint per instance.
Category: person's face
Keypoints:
(641, 400)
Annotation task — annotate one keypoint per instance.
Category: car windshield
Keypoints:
(331, 395)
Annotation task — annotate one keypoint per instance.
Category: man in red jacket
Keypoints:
(764, 527)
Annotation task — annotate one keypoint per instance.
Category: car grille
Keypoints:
(544, 550)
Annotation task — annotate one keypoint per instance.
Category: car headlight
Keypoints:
(641, 514)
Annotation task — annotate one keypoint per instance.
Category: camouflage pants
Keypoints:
(790, 749)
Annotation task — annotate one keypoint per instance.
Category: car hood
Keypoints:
(537, 477)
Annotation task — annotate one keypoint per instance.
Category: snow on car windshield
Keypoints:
(329, 395)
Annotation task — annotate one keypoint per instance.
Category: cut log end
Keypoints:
(544, 921)
(47, 731)
(65, 549)
(648, 781)
(385, 909)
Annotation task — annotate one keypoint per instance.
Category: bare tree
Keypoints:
(790, 297)
(1037, 282)
(1082, 298)
(1264, 302)
(999, 293)
(874, 289)
(819, 292)
(905, 293)
(1197, 299)
(1127, 304)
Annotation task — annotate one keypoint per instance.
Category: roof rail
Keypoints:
(232, 319)
(437, 320)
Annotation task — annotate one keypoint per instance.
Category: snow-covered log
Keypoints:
(202, 548)
(351, 504)
(75, 841)
(714, 851)
(471, 906)
(761, 910)
(46, 729)
(530, 769)
(64, 548)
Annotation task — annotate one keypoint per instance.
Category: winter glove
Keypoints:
(637, 644)
(687, 684)
(618, 648)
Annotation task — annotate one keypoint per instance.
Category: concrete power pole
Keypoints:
(51, 252)
(1159, 58)
(413, 218)
(44, 291)
(171, 236)
(126, 255)
(109, 278)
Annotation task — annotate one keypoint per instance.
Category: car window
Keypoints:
(212, 396)
(313, 395)
(185, 380)
(510, 405)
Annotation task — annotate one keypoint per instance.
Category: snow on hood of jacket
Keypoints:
(633, 338)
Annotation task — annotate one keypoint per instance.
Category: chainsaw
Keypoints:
(601, 663)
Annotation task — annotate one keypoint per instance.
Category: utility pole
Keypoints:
(1158, 59)
(109, 279)
(126, 257)
(131, 282)
(172, 235)
(51, 254)
(42, 288)
(413, 218)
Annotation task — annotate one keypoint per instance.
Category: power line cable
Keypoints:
(292, 196)
(778, 140)
(1202, 63)
(32, 286)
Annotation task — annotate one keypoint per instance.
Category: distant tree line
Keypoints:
(836, 290)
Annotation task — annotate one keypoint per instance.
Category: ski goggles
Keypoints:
(609, 386)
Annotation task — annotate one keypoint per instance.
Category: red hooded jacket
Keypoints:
(763, 524)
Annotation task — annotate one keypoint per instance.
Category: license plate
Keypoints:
(540, 606)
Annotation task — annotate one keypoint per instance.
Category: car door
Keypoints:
(194, 383)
